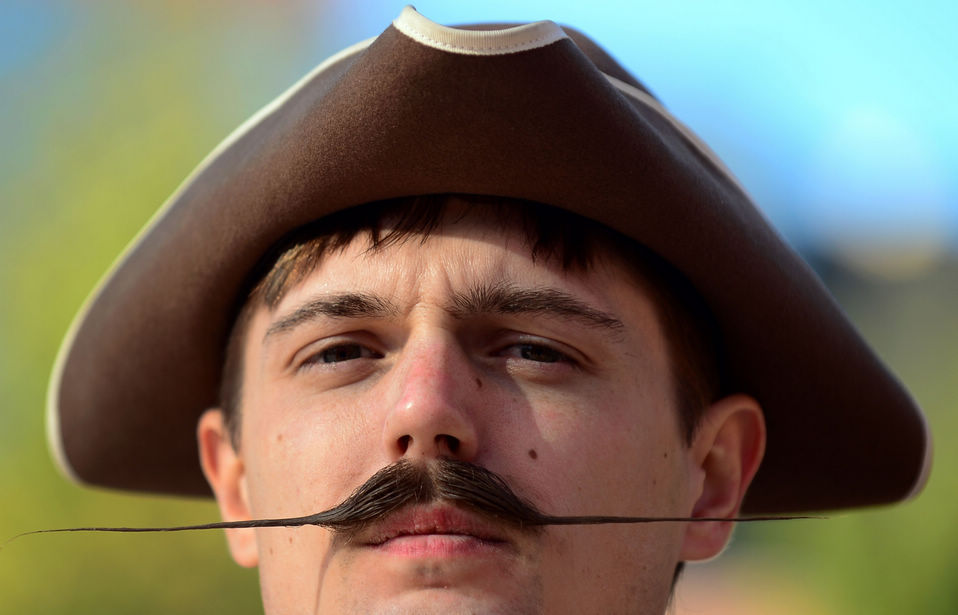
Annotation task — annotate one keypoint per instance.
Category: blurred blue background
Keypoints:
(839, 118)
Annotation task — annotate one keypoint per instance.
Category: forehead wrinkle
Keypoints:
(338, 305)
(507, 298)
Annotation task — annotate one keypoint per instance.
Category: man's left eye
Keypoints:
(538, 353)
(541, 354)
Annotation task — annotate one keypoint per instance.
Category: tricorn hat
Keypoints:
(534, 112)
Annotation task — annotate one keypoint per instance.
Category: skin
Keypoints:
(579, 417)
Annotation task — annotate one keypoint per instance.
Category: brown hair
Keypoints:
(550, 232)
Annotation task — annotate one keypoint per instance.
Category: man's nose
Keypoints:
(436, 397)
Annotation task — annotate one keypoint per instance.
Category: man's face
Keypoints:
(462, 346)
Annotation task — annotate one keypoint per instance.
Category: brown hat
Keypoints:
(532, 112)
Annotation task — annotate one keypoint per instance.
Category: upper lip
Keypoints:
(422, 520)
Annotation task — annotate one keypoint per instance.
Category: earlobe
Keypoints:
(226, 475)
(725, 455)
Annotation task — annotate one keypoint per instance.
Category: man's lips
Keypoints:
(435, 530)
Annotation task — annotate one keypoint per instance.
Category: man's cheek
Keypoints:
(304, 469)
(294, 566)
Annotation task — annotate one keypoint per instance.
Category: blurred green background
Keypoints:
(842, 123)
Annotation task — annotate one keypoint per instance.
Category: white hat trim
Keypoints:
(477, 42)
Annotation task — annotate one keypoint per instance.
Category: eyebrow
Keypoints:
(500, 298)
(503, 298)
(343, 305)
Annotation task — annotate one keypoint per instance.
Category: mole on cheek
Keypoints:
(533, 454)
(478, 383)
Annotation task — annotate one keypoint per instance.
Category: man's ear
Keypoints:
(226, 475)
(724, 455)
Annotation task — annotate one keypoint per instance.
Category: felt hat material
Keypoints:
(533, 112)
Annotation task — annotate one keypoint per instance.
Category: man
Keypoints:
(488, 249)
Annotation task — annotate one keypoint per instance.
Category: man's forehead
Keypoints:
(463, 237)
(469, 264)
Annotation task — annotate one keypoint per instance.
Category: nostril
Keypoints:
(445, 446)
(451, 443)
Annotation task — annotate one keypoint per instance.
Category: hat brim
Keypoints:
(536, 113)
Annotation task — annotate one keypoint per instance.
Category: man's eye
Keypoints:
(341, 353)
(540, 353)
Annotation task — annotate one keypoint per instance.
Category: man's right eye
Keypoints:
(341, 353)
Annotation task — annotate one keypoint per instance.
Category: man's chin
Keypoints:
(445, 601)
(433, 575)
